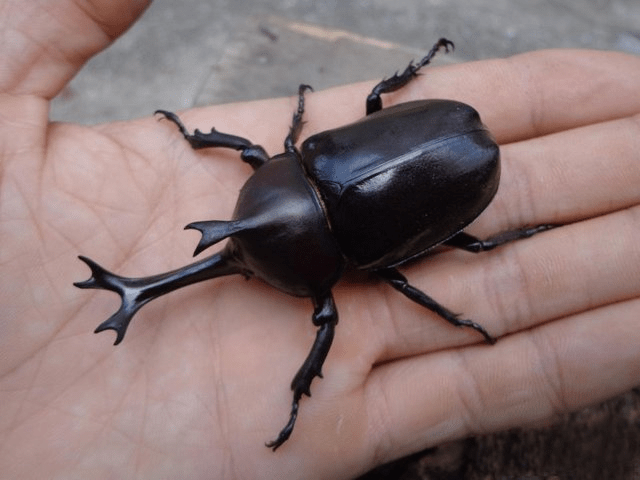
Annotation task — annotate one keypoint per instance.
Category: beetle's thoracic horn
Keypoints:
(213, 231)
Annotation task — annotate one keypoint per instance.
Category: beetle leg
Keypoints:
(297, 123)
(473, 244)
(136, 292)
(325, 316)
(252, 154)
(398, 281)
(374, 102)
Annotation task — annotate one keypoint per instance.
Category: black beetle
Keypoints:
(372, 194)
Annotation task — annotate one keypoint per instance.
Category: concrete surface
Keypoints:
(197, 52)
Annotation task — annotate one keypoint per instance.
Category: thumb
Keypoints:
(46, 42)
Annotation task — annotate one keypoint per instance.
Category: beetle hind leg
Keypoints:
(325, 316)
(374, 102)
(398, 281)
(469, 243)
(252, 154)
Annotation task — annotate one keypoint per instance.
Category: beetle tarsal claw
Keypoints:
(474, 325)
(447, 44)
(285, 433)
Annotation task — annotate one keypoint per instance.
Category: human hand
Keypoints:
(201, 381)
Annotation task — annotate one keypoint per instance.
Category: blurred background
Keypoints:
(198, 52)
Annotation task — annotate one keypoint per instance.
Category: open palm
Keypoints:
(201, 381)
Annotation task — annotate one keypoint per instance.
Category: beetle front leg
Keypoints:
(252, 154)
(374, 102)
(398, 281)
(325, 316)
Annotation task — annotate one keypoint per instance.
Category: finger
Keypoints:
(51, 40)
(529, 377)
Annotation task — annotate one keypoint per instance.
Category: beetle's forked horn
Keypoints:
(136, 292)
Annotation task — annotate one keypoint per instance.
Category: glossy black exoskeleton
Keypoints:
(372, 194)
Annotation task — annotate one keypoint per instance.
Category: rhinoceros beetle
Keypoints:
(373, 194)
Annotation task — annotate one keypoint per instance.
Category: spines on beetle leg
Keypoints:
(214, 231)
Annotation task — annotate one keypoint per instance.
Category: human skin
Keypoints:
(201, 380)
